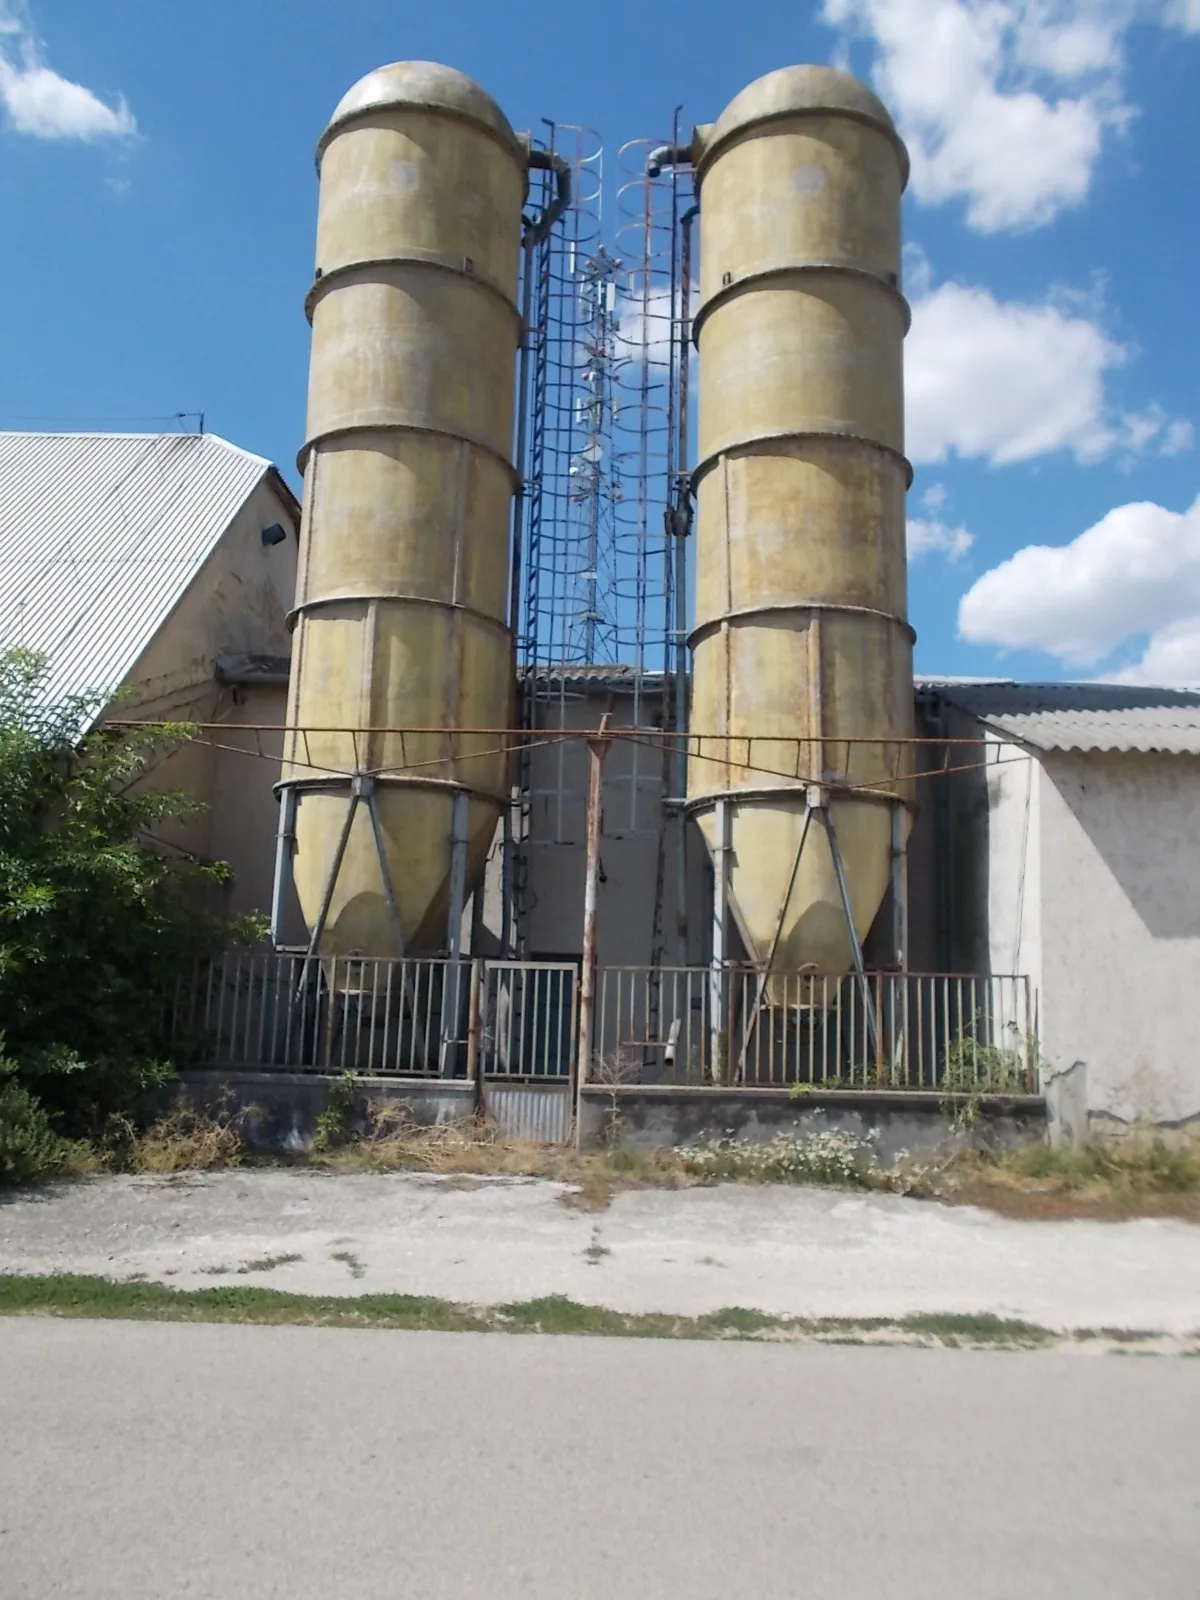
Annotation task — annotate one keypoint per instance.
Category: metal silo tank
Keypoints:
(800, 590)
(401, 603)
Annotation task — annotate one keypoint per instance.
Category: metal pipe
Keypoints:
(681, 527)
(720, 942)
(550, 161)
(285, 843)
(535, 232)
(668, 155)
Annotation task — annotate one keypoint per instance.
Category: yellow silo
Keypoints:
(800, 564)
(401, 603)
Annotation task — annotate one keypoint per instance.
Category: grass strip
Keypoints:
(67, 1295)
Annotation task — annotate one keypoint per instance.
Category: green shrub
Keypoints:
(98, 922)
(30, 1147)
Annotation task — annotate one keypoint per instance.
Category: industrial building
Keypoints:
(570, 731)
(161, 566)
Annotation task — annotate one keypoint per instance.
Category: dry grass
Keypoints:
(1138, 1177)
(396, 1142)
(184, 1139)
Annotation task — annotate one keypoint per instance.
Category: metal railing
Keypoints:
(320, 1014)
(408, 1018)
(690, 1025)
(518, 1022)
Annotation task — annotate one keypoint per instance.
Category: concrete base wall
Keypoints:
(281, 1111)
(910, 1124)
(281, 1108)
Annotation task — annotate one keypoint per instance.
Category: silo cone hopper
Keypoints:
(802, 697)
(401, 616)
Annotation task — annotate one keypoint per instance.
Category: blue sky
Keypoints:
(159, 198)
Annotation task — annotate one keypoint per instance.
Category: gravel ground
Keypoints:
(786, 1251)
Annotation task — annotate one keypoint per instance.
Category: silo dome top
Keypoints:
(795, 91)
(423, 85)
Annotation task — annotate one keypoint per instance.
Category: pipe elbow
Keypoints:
(550, 161)
(668, 155)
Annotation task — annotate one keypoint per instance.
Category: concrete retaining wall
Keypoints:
(282, 1108)
(910, 1123)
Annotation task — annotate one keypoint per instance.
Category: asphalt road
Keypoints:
(160, 1460)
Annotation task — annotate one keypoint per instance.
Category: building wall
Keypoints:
(637, 857)
(238, 602)
(1120, 925)
(247, 761)
(1012, 865)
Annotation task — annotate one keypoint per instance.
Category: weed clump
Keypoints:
(843, 1160)
(186, 1138)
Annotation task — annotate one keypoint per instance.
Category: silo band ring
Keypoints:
(785, 607)
(711, 152)
(342, 783)
(486, 618)
(749, 446)
(402, 424)
(797, 789)
(754, 280)
(459, 266)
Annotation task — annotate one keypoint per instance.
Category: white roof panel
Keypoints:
(101, 535)
(1081, 716)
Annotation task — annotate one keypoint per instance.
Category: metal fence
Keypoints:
(690, 1025)
(307, 1014)
(517, 1023)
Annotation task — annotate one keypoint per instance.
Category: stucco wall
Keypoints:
(237, 602)
(245, 811)
(1120, 925)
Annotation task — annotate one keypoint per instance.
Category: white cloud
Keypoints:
(1135, 573)
(38, 102)
(1007, 381)
(1179, 437)
(1005, 104)
(930, 536)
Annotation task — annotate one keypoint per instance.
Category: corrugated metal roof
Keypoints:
(1081, 716)
(100, 536)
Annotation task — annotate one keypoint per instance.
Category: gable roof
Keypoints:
(102, 534)
(1081, 716)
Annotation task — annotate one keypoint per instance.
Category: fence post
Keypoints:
(475, 1053)
(597, 751)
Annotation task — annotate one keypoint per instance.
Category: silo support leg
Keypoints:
(855, 947)
(899, 1025)
(764, 975)
(389, 892)
(452, 984)
(339, 855)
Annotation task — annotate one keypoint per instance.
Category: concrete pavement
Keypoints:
(787, 1251)
(149, 1460)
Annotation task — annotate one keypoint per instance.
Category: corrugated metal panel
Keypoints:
(530, 1111)
(100, 536)
(1082, 716)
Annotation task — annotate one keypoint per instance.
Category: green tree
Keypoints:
(98, 923)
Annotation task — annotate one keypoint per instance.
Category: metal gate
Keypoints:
(528, 1028)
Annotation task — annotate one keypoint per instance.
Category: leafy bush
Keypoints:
(97, 921)
(30, 1146)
